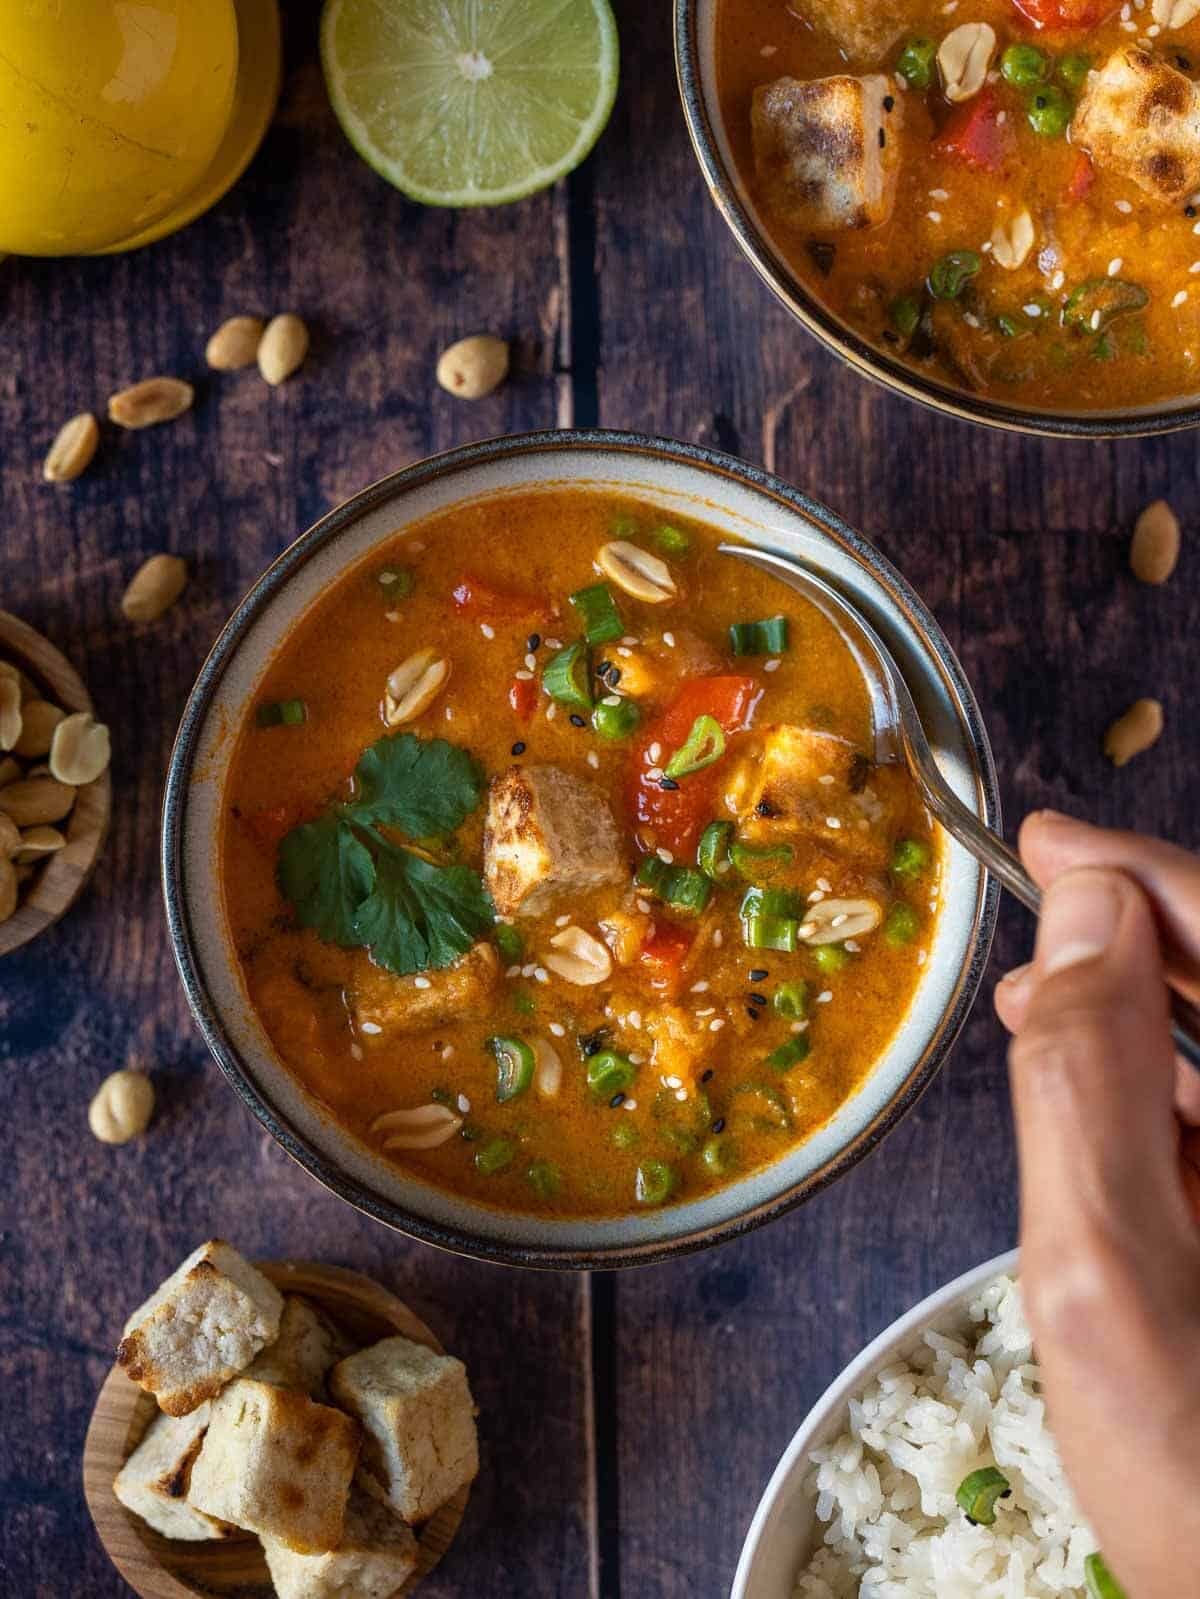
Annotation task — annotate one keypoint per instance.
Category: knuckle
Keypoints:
(1059, 1046)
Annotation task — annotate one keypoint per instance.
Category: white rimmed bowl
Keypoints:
(736, 499)
(785, 1532)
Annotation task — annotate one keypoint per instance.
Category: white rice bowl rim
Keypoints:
(781, 1537)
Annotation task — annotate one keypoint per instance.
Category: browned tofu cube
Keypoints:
(1140, 118)
(386, 1004)
(153, 1482)
(376, 1557)
(807, 785)
(549, 836)
(827, 153)
(862, 29)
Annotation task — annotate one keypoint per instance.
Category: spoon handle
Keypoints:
(1004, 863)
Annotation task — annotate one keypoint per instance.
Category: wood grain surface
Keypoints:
(628, 1424)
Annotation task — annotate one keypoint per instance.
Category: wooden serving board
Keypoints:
(234, 1568)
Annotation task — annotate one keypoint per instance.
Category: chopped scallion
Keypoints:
(718, 1156)
(910, 858)
(902, 925)
(704, 745)
(754, 861)
(544, 1177)
(681, 887)
(671, 540)
(495, 1156)
(773, 902)
(598, 613)
(712, 854)
(759, 638)
(791, 999)
(790, 1054)
(514, 1066)
(395, 583)
(509, 942)
(978, 1492)
(282, 713)
(1099, 1580)
(772, 932)
(567, 676)
(831, 958)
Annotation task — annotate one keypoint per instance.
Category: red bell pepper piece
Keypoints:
(676, 817)
(663, 955)
(1082, 177)
(268, 827)
(522, 696)
(1061, 15)
(491, 603)
(974, 134)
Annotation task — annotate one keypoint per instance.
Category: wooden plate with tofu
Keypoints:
(358, 1313)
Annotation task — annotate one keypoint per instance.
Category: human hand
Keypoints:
(1107, 1124)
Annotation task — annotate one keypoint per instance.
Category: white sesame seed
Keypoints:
(1059, 278)
(1180, 299)
(638, 1060)
(593, 760)
(1032, 310)
(826, 780)
(710, 1010)
(630, 1104)
(558, 1029)
(372, 1028)
(839, 919)
(934, 216)
(664, 855)
(416, 547)
(623, 652)
(561, 921)
(673, 1082)
(392, 616)
(718, 938)
(487, 630)
(531, 661)
(701, 987)
(643, 905)
(449, 714)
(1123, 206)
(654, 773)
(356, 1051)
(629, 639)
(611, 699)
(1115, 265)
(553, 643)
(523, 677)
(825, 997)
(716, 1024)
(824, 885)
(635, 1020)
(551, 711)
(921, 957)
(853, 945)
(770, 666)
(421, 982)
(528, 971)
(513, 971)
(654, 753)
(541, 975)
(681, 1093)
(806, 930)
(669, 640)
(817, 895)
(799, 1027)
(939, 194)
(833, 823)
(463, 1103)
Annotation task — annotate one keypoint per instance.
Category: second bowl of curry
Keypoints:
(563, 916)
(991, 208)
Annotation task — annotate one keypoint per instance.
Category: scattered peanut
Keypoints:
(1155, 548)
(11, 720)
(831, 920)
(154, 588)
(473, 367)
(10, 770)
(36, 801)
(1012, 241)
(10, 837)
(34, 843)
(964, 57)
(413, 687)
(578, 957)
(9, 889)
(71, 453)
(1131, 734)
(80, 750)
(122, 1107)
(423, 1127)
(636, 571)
(1173, 14)
(282, 348)
(38, 720)
(150, 402)
(234, 344)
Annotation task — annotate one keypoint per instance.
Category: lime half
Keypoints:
(471, 102)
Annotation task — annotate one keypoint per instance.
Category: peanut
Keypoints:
(36, 801)
(122, 1107)
(71, 453)
(1155, 548)
(1131, 734)
(154, 588)
(150, 402)
(39, 719)
(473, 367)
(234, 344)
(282, 349)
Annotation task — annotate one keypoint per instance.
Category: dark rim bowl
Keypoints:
(695, 71)
(739, 500)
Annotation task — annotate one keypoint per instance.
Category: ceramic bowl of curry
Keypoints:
(991, 209)
(526, 864)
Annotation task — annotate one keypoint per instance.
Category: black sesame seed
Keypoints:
(758, 999)
(577, 720)
(617, 1100)
(763, 809)
(533, 642)
(706, 1077)
(668, 783)
(613, 675)
(519, 747)
(719, 1125)
(753, 1013)
(759, 974)
(604, 669)
(882, 139)
(889, 102)
(1189, 210)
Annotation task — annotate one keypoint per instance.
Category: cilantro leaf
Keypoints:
(420, 786)
(421, 915)
(327, 873)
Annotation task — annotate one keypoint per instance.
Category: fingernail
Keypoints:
(1080, 914)
(1019, 975)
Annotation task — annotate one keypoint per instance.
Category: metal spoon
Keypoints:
(900, 739)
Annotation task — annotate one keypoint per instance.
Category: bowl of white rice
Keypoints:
(865, 1504)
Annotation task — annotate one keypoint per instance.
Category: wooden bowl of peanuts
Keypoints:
(55, 790)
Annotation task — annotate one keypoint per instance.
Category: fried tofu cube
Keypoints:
(153, 1482)
(827, 153)
(805, 782)
(376, 1557)
(420, 1446)
(1139, 117)
(277, 1463)
(387, 1004)
(549, 836)
(862, 29)
(202, 1327)
(307, 1345)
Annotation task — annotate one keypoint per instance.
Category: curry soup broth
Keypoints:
(1003, 336)
(688, 1008)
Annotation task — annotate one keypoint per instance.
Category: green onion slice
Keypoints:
(902, 925)
(544, 1177)
(784, 902)
(598, 613)
(1099, 1580)
(567, 677)
(831, 958)
(514, 1066)
(494, 1157)
(910, 858)
(1099, 301)
(790, 1054)
(655, 1182)
(950, 276)
(509, 942)
(759, 638)
(718, 1156)
(915, 62)
(705, 744)
(772, 932)
(791, 1000)
(712, 853)
(755, 861)
(978, 1492)
(682, 887)
(609, 1073)
(395, 583)
(282, 713)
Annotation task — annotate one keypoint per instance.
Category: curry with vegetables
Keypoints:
(556, 863)
(1005, 194)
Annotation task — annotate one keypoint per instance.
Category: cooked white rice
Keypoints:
(969, 1396)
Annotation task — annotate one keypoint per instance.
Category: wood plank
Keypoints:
(1020, 547)
(85, 1231)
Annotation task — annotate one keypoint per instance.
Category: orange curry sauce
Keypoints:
(969, 169)
(691, 1011)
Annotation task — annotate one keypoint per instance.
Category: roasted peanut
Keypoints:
(1131, 734)
(282, 348)
(36, 801)
(9, 889)
(473, 367)
(33, 844)
(154, 588)
(1155, 548)
(80, 750)
(122, 1107)
(39, 719)
(636, 571)
(11, 720)
(150, 402)
(71, 453)
(234, 344)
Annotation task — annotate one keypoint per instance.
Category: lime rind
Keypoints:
(458, 104)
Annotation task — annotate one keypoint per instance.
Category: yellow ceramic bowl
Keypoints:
(112, 111)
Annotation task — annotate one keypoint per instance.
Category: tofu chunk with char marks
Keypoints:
(861, 29)
(827, 153)
(810, 785)
(384, 1003)
(1139, 117)
(153, 1482)
(549, 836)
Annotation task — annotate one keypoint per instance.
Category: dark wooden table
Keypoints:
(629, 1423)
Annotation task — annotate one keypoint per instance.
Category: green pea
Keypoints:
(615, 721)
(509, 942)
(915, 64)
(830, 958)
(1024, 65)
(910, 858)
(495, 1156)
(902, 925)
(655, 1182)
(950, 276)
(625, 1135)
(791, 999)
(544, 1177)
(1073, 70)
(905, 314)
(718, 1156)
(1050, 111)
